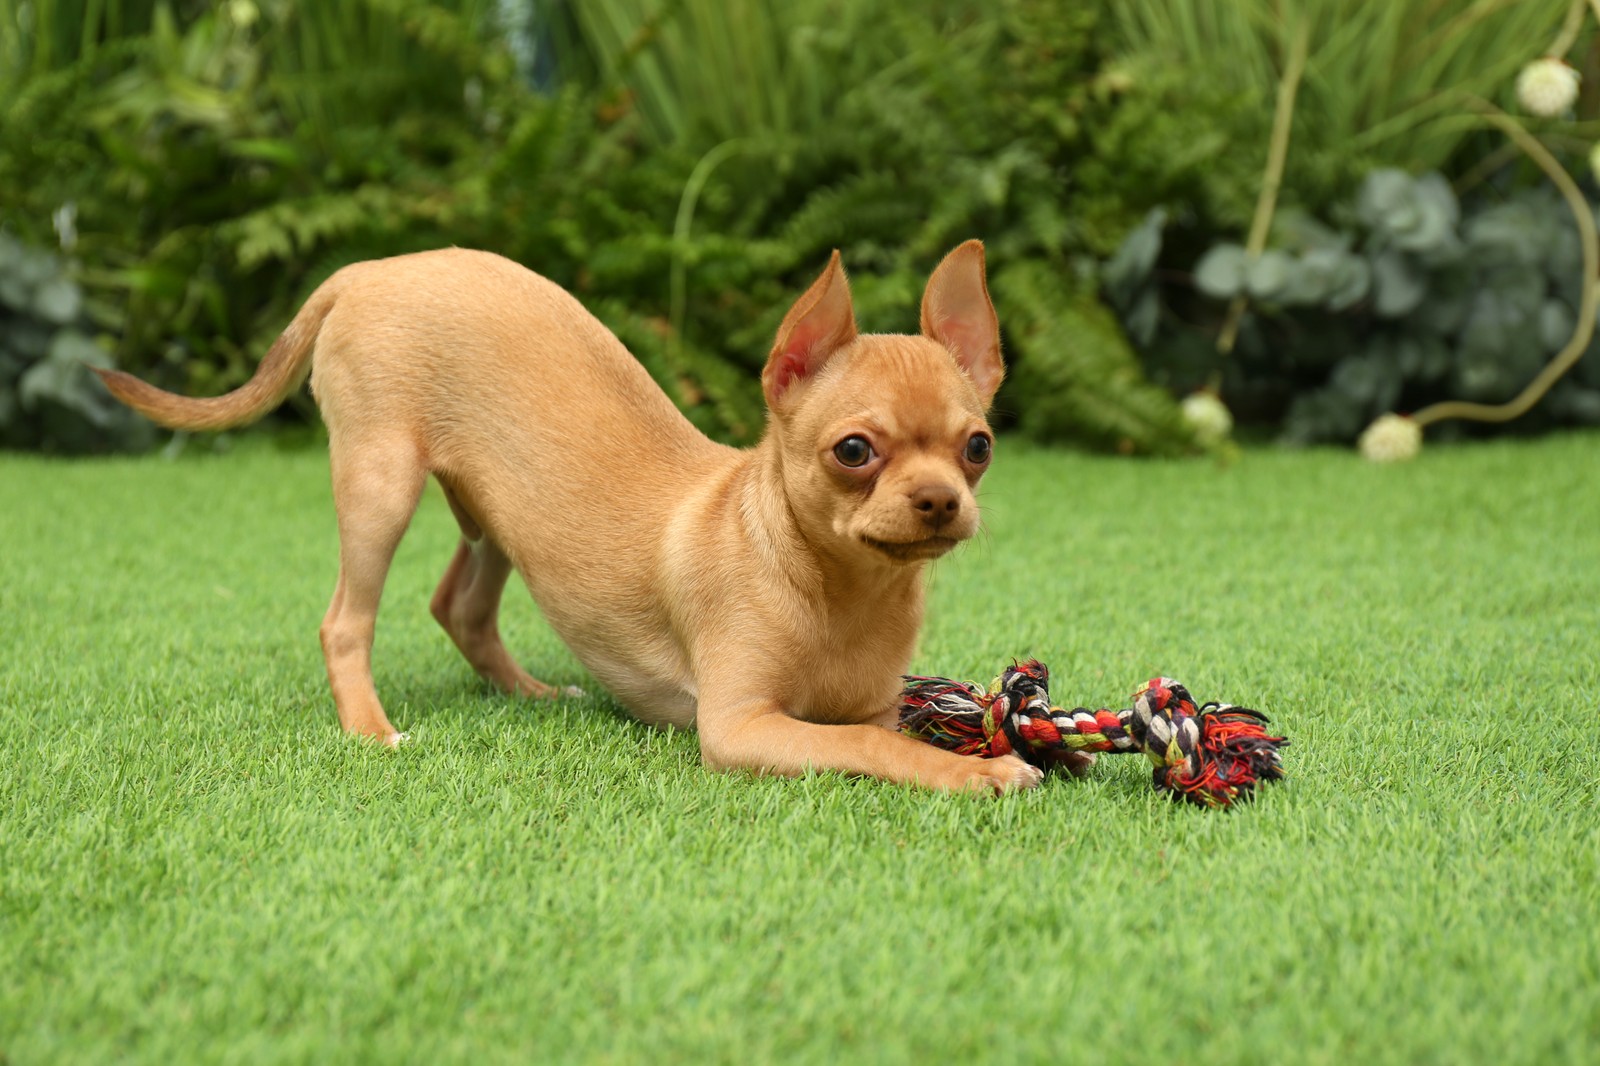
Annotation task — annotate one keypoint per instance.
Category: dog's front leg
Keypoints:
(757, 735)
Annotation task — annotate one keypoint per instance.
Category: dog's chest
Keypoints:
(851, 676)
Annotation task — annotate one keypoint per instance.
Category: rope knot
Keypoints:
(1211, 754)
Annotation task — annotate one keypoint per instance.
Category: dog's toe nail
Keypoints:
(397, 739)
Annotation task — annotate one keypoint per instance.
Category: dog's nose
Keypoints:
(937, 504)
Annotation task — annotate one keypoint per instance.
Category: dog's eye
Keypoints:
(978, 449)
(852, 451)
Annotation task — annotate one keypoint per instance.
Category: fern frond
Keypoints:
(1075, 378)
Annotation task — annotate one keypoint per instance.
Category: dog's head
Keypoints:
(882, 439)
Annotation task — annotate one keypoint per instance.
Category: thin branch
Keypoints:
(1272, 178)
(678, 279)
(1569, 29)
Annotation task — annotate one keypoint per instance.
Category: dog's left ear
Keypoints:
(820, 323)
(957, 312)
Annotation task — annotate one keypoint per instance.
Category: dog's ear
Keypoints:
(957, 313)
(819, 324)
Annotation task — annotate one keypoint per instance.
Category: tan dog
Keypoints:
(771, 597)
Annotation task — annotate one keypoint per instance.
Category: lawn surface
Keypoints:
(196, 866)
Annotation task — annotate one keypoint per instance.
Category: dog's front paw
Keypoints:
(1003, 774)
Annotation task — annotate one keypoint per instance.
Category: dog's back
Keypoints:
(496, 374)
(488, 373)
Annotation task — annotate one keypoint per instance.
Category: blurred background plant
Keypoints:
(1407, 299)
(684, 166)
(48, 399)
(1382, 80)
(1419, 258)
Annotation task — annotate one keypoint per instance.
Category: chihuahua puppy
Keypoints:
(770, 597)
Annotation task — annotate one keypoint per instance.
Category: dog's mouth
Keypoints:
(912, 550)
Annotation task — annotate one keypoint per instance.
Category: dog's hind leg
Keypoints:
(375, 492)
(467, 605)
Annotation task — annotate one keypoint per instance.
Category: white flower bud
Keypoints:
(1547, 87)
(1391, 439)
(1208, 416)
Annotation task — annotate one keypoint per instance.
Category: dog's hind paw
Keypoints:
(395, 740)
(574, 691)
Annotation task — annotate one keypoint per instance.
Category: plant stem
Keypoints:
(1272, 178)
(680, 230)
(1584, 330)
(1569, 30)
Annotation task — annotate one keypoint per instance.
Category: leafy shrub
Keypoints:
(48, 398)
(1099, 396)
(949, 121)
(1381, 82)
(1405, 298)
(216, 180)
(222, 167)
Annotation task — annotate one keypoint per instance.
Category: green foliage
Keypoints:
(948, 122)
(1078, 379)
(705, 71)
(1159, 138)
(40, 36)
(216, 180)
(1404, 298)
(703, 159)
(222, 161)
(1383, 81)
(48, 398)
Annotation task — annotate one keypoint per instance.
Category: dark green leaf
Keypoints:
(1135, 257)
(1438, 212)
(1353, 281)
(1398, 286)
(1372, 381)
(58, 300)
(1145, 318)
(1508, 232)
(1295, 230)
(1268, 275)
(1221, 272)
(1556, 321)
(1383, 192)
(50, 380)
(28, 338)
(72, 348)
(15, 292)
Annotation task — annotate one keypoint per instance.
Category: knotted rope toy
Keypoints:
(1211, 755)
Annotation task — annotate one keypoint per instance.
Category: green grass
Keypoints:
(194, 865)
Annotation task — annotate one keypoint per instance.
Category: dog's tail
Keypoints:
(283, 369)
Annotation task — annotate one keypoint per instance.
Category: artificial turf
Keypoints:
(196, 866)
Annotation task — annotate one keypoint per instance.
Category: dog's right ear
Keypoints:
(818, 325)
(957, 312)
